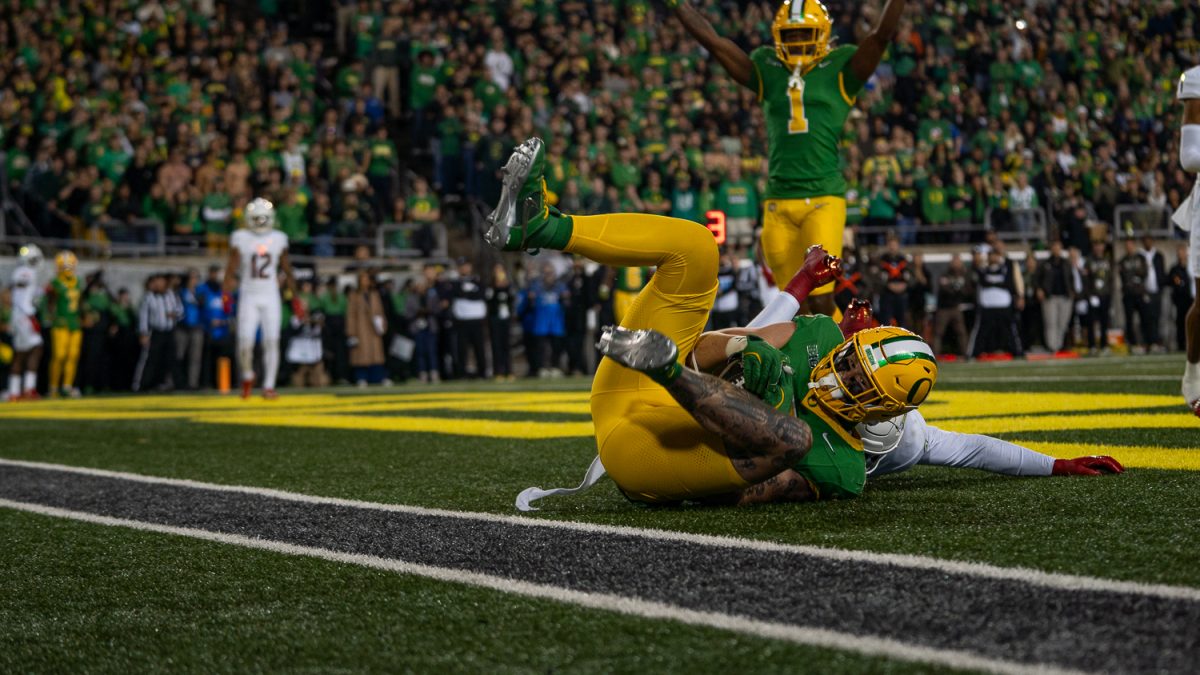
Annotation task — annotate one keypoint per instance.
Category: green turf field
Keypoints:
(85, 597)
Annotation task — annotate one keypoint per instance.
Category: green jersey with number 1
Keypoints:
(804, 123)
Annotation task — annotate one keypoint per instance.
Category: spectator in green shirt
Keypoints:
(156, 206)
(934, 206)
(424, 81)
(685, 199)
(115, 159)
(216, 211)
(654, 199)
(290, 206)
(961, 196)
(95, 211)
(425, 211)
(382, 164)
(738, 198)
(17, 161)
(882, 203)
(626, 172)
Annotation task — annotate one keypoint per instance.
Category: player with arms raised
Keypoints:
(1188, 217)
(807, 90)
(259, 251)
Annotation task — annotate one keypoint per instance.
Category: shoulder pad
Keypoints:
(1189, 84)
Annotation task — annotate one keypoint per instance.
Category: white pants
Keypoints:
(253, 313)
(1056, 311)
(1194, 251)
(24, 336)
(925, 444)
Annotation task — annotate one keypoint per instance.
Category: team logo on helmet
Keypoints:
(875, 375)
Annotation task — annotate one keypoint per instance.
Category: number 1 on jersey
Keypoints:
(798, 123)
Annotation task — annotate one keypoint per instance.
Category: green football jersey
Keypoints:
(804, 123)
(835, 463)
(66, 303)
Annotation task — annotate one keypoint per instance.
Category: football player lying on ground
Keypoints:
(900, 443)
(890, 446)
(667, 434)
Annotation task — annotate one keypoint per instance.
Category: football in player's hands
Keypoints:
(1092, 465)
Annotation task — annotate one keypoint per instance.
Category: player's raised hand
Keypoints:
(819, 268)
(1092, 465)
(858, 316)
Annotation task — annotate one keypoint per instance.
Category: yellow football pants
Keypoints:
(790, 226)
(652, 448)
(64, 357)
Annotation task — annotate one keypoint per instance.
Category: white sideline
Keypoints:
(1056, 580)
(816, 637)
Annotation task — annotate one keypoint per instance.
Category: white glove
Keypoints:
(378, 321)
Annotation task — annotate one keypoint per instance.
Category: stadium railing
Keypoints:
(395, 240)
(1142, 219)
(1023, 224)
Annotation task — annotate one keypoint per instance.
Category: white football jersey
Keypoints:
(25, 290)
(260, 254)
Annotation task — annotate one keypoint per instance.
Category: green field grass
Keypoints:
(153, 601)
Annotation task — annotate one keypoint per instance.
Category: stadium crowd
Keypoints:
(180, 112)
(453, 322)
(1066, 106)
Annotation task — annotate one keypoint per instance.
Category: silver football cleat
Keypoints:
(643, 350)
(516, 172)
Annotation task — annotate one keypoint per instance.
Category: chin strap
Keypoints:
(828, 382)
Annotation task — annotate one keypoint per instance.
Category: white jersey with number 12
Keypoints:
(260, 253)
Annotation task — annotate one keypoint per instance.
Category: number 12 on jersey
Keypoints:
(798, 123)
(259, 264)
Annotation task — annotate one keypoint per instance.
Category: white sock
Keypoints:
(783, 307)
(246, 361)
(270, 363)
(1191, 374)
(14, 385)
(30, 380)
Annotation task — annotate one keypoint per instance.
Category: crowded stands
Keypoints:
(987, 122)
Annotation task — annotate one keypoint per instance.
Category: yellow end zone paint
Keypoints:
(962, 411)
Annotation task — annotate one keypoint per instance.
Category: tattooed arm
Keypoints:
(760, 441)
(786, 486)
(709, 352)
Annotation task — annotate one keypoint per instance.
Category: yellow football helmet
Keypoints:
(875, 375)
(66, 262)
(801, 30)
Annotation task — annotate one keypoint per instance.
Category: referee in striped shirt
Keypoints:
(157, 316)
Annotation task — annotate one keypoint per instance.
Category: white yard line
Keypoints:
(1056, 580)
(816, 637)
